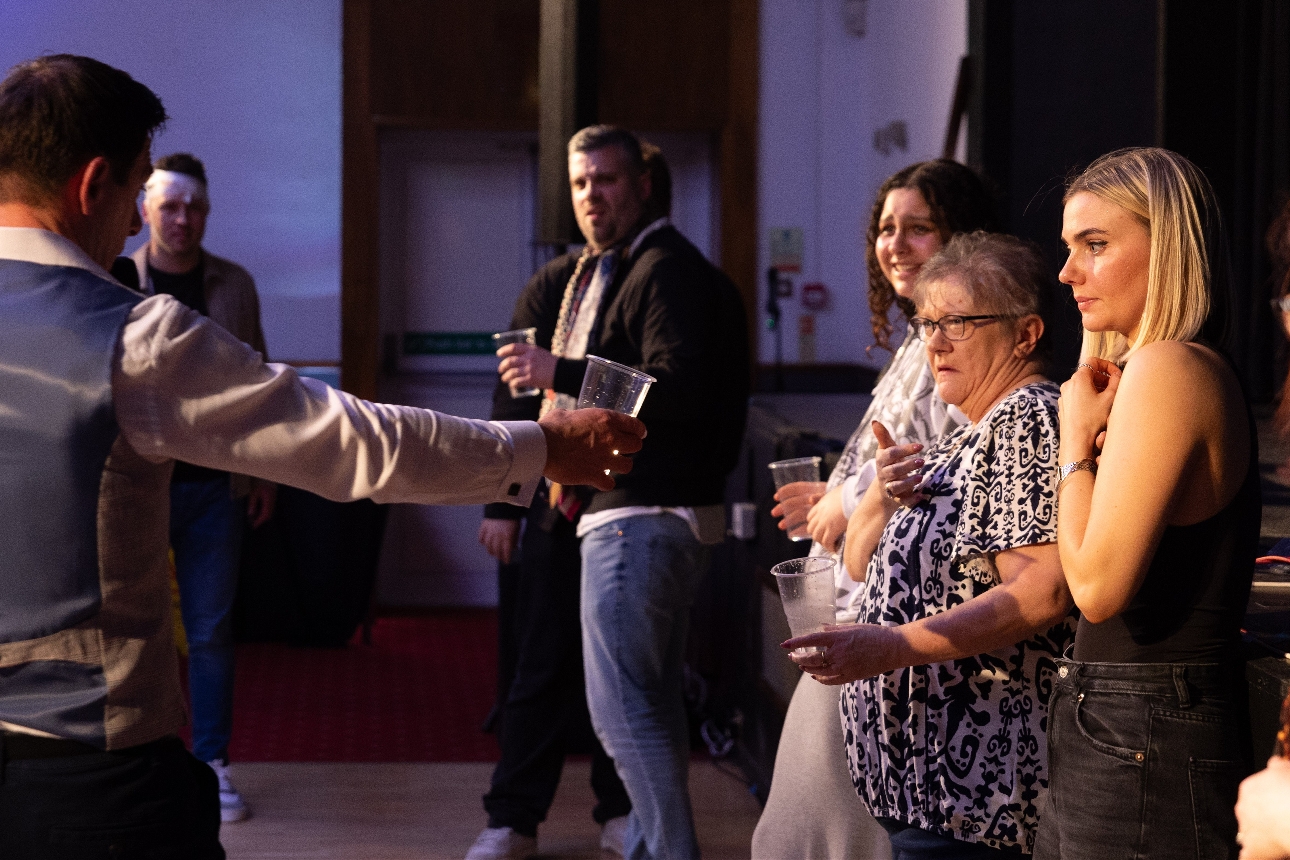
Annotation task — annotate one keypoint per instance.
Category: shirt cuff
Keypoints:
(855, 486)
(528, 443)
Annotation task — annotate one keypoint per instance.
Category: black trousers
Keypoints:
(543, 714)
(150, 802)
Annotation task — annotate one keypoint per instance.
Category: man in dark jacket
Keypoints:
(641, 295)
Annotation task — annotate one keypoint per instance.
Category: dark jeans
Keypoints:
(544, 714)
(914, 843)
(150, 802)
(1144, 761)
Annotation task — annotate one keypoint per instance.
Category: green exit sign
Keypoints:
(448, 343)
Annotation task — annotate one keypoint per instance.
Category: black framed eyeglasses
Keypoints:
(953, 326)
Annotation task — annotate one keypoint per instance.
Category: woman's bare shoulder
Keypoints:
(1187, 387)
(1176, 366)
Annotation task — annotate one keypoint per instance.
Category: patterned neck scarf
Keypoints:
(575, 331)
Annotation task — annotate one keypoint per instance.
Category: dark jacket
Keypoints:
(675, 316)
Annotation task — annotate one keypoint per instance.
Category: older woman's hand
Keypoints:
(899, 468)
(795, 502)
(849, 652)
(1085, 406)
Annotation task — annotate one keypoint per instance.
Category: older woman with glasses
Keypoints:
(810, 813)
(964, 609)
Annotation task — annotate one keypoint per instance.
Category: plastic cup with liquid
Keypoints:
(785, 472)
(519, 335)
(806, 588)
(610, 385)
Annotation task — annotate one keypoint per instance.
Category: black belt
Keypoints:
(15, 745)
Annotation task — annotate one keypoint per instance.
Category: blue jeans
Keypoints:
(206, 535)
(638, 580)
(1144, 761)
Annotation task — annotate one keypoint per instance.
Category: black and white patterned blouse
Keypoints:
(905, 400)
(958, 748)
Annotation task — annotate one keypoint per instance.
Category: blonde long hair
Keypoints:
(1187, 290)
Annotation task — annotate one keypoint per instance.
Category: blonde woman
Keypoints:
(1158, 519)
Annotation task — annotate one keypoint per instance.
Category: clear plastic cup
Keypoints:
(807, 589)
(785, 472)
(519, 335)
(610, 385)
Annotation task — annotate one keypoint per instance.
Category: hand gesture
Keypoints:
(1262, 810)
(795, 502)
(826, 522)
(584, 445)
(899, 469)
(526, 366)
(500, 538)
(841, 653)
(261, 502)
(1085, 406)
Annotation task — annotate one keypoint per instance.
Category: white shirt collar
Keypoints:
(649, 228)
(34, 245)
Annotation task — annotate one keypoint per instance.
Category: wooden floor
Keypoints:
(419, 811)
(432, 811)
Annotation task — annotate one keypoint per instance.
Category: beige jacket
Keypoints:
(232, 303)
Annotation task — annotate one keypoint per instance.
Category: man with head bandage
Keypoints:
(207, 506)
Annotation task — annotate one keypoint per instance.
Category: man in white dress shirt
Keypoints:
(101, 389)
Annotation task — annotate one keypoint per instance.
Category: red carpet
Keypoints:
(419, 692)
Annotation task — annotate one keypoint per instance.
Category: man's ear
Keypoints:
(84, 188)
(1030, 329)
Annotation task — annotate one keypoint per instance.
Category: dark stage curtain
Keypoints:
(1261, 184)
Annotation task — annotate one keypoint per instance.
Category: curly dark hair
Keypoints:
(960, 203)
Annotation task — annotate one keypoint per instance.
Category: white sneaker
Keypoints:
(502, 843)
(231, 806)
(613, 834)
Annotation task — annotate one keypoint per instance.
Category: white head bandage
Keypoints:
(171, 185)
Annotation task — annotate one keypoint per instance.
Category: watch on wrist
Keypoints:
(1088, 464)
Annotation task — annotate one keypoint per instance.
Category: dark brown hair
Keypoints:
(59, 112)
(182, 162)
(960, 203)
(595, 137)
(1278, 243)
(659, 204)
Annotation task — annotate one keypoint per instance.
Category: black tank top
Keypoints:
(1192, 603)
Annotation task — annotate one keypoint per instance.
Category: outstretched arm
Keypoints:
(184, 388)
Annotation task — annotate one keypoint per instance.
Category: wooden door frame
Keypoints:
(360, 315)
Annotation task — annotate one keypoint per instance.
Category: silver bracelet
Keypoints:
(1088, 464)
